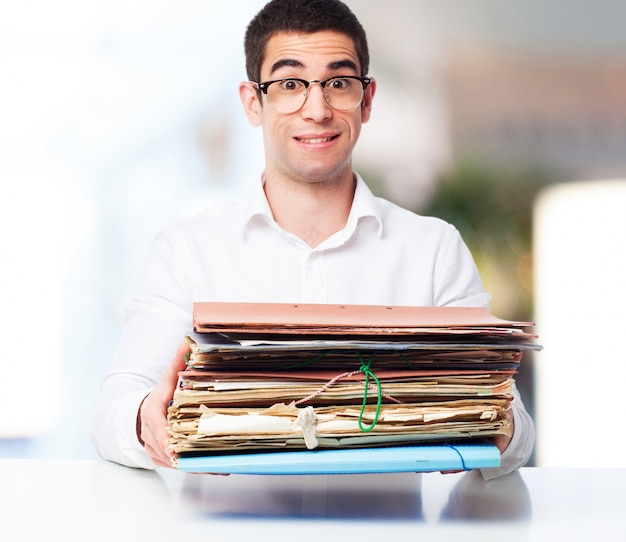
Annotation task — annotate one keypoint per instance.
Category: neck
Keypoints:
(311, 211)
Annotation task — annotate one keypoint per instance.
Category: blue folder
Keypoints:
(422, 458)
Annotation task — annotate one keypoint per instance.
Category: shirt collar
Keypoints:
(256, 206)
(364, 205)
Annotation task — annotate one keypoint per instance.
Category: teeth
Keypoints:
(316, 140)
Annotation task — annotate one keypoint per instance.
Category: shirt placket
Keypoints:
(315, 287)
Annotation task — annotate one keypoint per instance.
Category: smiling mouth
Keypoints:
(315, 140)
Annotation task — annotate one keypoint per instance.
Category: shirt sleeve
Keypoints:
(459, 284)
(457, 281)
(155, 324)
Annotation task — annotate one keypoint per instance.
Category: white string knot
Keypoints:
(307, 420)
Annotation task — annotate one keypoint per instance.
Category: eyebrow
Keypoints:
(297, 64)
(286, 62)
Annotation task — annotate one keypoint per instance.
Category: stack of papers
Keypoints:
(281, 377)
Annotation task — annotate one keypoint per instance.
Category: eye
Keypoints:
(290, 85)
(340, 83)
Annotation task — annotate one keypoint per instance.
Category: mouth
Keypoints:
(315, 140)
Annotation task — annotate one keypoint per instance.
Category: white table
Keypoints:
(52, 500)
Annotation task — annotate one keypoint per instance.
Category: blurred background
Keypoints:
(505, 117)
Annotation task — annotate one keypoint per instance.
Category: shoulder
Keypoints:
(221, 214)
(397, 219)
(204, 231)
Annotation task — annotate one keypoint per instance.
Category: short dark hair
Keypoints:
(305, 17)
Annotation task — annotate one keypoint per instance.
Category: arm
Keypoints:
(459, 285)
(155, 325)
(517, 450)
(457, 281)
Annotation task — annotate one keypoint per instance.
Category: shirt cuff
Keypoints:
(519, 449)
(132, 452)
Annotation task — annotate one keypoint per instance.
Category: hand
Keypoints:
(502, 441)
(152, 416)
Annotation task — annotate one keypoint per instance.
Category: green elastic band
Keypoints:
(407, 361)
(188, 360)
(307, 362)
(365, 368)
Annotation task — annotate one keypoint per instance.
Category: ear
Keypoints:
(249, 97)
(368, 97)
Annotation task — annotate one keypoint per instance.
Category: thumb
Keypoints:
(168, 382)
(179, 363)
(180, 359)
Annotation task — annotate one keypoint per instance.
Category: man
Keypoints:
(311, 230)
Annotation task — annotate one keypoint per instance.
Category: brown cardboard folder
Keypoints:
(327, 319)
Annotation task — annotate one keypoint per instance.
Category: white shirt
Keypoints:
(385, 255)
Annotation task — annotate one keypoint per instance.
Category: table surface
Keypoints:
(57, 500)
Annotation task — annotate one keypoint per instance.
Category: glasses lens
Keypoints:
(287, 96)
(344, 93)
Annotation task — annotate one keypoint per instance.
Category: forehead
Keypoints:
(316, 51)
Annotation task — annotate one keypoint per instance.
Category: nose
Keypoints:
(316, 107)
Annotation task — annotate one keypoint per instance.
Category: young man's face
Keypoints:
(315, 143)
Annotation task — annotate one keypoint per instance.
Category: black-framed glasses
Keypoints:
(342, 92)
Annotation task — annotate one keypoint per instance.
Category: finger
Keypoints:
(180, 359)
(156, 447)
(154, 431)
(165, 390)
(157, 457)
(501, 442)
(153, 411)
(170, 376)
(169, 380)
